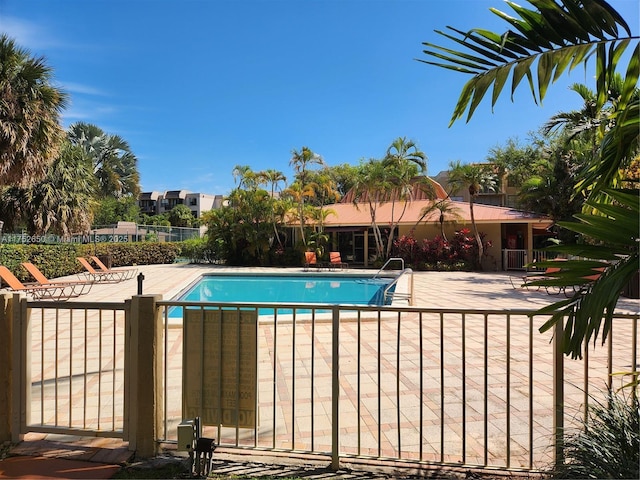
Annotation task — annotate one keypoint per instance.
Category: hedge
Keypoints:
(60, 260)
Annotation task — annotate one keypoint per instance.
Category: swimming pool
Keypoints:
(330, 289)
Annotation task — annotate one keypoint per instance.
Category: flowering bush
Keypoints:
(437, 253)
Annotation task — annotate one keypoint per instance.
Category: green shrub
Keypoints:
(608, 443)
(60, 260)
(198, 250)
(136, 253)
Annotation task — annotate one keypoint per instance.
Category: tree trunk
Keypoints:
(476, 234)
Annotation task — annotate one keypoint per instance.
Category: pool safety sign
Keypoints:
(220, 366)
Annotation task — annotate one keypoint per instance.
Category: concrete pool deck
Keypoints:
(477, 290)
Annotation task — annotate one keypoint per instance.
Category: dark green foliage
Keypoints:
(608, 445)
(111, 210)
(242, 232)
(60, 260)
(199, 250)
(53, 260)
(138, 253)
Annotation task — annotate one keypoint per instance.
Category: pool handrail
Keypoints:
(397, 259)
(405, 296)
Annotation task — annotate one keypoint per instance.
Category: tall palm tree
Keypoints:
(402, 150)
(541, 45)
(402, 160)
(300, 161)
(273, 178)
(371, 186)
(245, 176)
(30, 131)
(115, 165)
(477, 179)
(298, 194)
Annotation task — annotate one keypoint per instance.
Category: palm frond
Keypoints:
(615, 225)
(541, 45)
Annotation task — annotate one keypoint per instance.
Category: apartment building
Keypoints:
(155, 203)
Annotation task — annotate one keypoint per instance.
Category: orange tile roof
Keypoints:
(348, 214)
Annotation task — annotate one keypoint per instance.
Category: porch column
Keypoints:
(529, 245)
(366, 248)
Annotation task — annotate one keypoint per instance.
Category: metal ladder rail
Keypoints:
(397, 259)
(406, 296)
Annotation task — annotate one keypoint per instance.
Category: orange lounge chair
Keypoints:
(555, 290)
(540, 275)
(125, 273)
(93, 275)
(38, 292)
(77, 287)
(336, 261)
(310, 260)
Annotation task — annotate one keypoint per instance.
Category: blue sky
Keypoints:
(197, 87)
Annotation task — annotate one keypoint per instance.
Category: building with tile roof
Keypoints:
(514, 234)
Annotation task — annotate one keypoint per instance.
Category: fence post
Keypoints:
(335, 389)
(558, 392)
(145, 379)
(6, 367)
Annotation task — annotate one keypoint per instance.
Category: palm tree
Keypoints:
(541, 45)
(581, 122)
(245, 176)
(445, 208)
(477, 179)
(297, 193)
(30, 131)
(403, 160)
(62, 202)
(371, 185)
(300, 161)
(115, 166)
(273, 178)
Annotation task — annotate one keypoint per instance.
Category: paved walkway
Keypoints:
(460, 290)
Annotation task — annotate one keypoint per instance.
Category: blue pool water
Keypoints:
(331, 289)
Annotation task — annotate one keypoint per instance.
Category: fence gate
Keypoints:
(72, 361)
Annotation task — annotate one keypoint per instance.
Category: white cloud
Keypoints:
(80, 88)
(27, 34)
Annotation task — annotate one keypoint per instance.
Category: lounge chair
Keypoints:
(37, 291)
(539, 275)
(310, 261)
(336, 261)
(125, 273)
(531, 278)
(96, 276)
(77, 287)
